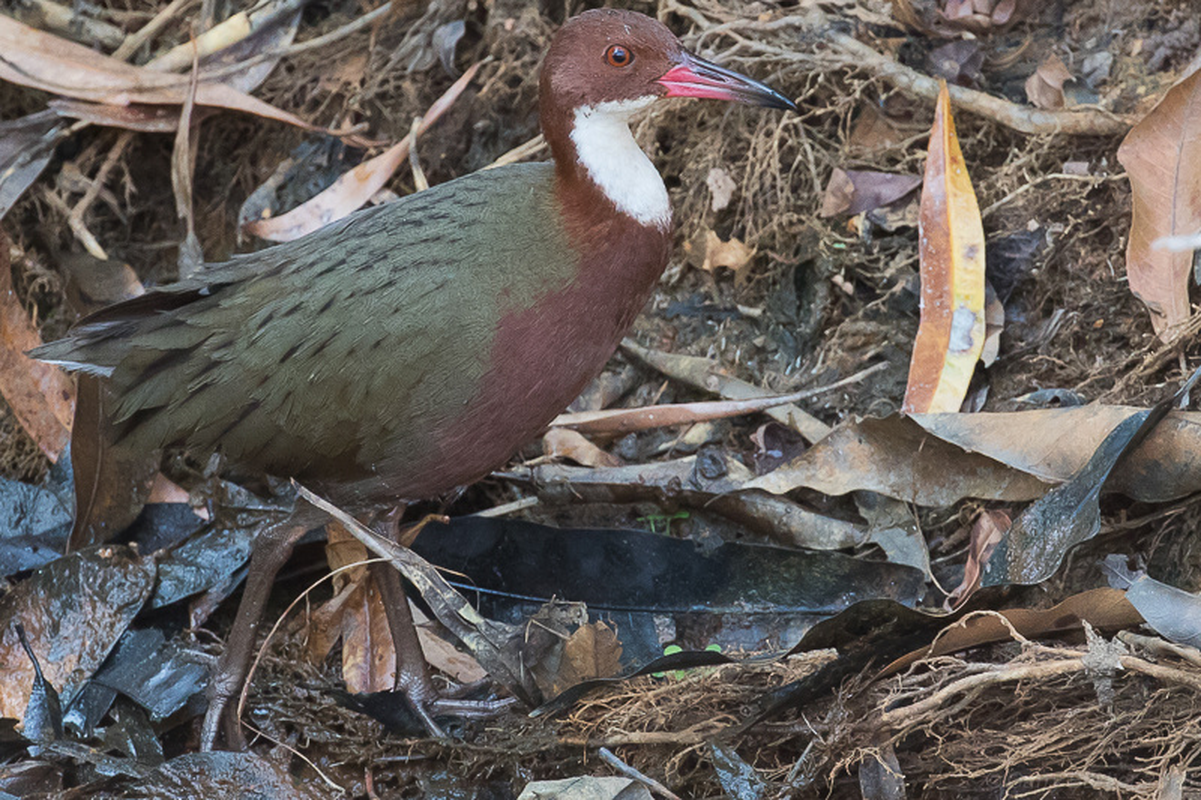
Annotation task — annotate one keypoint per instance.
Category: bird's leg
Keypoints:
(270, 549)
(412, 672)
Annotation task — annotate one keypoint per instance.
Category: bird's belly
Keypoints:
(540, 360)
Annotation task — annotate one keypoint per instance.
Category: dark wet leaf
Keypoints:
(74, 609)
(132, 735)
(205, 560)
(26, 145)
(218, 774)
(111, 483)
(1070, 514)
(35, 520)
(153, 672)
(29, 779)
(738, 779)
(1171, 612)
(43, 722)
(1066, 516)
(624, 569)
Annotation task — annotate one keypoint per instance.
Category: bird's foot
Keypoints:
(221, 723)
(428, 703)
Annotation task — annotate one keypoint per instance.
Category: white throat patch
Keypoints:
(607, 150)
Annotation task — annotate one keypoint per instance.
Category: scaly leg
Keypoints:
(412, 672)
(270, 550)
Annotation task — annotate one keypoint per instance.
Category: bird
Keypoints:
(412, 348)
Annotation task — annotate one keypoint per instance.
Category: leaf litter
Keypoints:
(1071, 327)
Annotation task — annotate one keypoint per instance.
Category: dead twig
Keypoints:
(148, 31)
(854, 54)
(630, 772)
(75, 217)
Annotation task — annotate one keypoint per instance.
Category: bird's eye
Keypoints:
(618, 56)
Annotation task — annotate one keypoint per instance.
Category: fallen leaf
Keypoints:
(228, 49)
(838, 195)
(573, 445)
(872, 190)
(354, 188)
(950, 336)
(165, 490)
(994, 326)
(356, 614)
(987, 531)
(894, 456)
(874, 131)
(982, 16)
(1162, 157)
(1044, 89)
(112, 484)
(586, 787)
(1041, 536)
(74, 609)
(1101, 608)
(368, 656)
(26, 145)
(43, 61)
(957, 62)
(41, 396)
(733, 255)
(1171, 612)
(592, 651)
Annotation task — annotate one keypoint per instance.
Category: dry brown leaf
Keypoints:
(873, 131)
(987, 532)
(356, 614)
(869, 190)
(1162, 156)
(573, 445)
(1107, 609)
(592, 651)
(982, 16)
(839, 191)
(994, 326)
(444, 656)
(368, 657)
(894, 456)
(734, 254)
(354, 188)
(43, 61)
(41, 396)
(708, 375)
(165, 490)
(950, 336)
(1044, 88)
